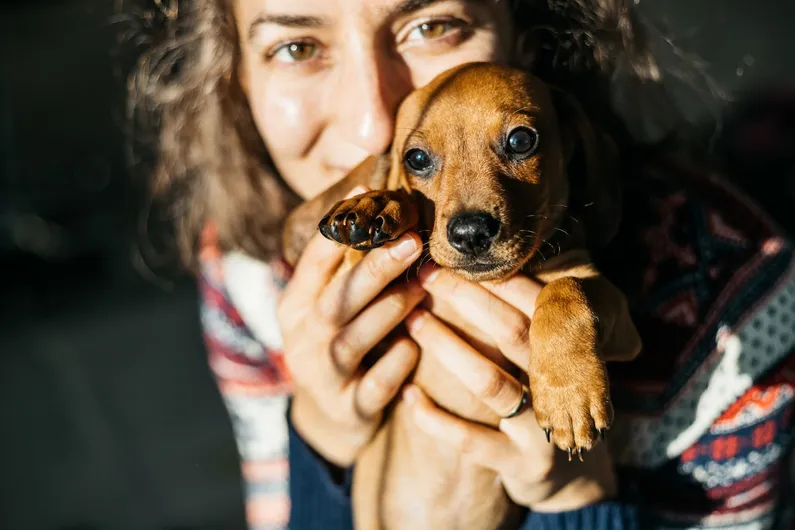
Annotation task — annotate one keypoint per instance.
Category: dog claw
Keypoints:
(358, 234)
(380, 237)
(334, 233)
(579, 453)
(602, 433)
(548, 432)
(569, 451)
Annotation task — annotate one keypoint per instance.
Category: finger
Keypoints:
(381, 383)
(507, 326)
(487, 381)
(350, 292)
(377, 320)
(518, 290)
(317, 264)
(526, 434)
(487, 447)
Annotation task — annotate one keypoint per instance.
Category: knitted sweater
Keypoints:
(703, 424)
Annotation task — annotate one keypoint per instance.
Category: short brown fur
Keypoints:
(551, 207)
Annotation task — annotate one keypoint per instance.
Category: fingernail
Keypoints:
(415, 320)
(404, 249)
(358, 190)
(428, 274)
(411, 394)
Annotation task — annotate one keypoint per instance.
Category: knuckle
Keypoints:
(342, 350)
(492, 385)
(375, 265)
(465, 442)
(402, 355)
(410, 348)
(396, 301)
(516, 331)
(543, 470)
(375, 391)
(326, 310)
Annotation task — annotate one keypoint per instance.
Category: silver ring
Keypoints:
(519, 406)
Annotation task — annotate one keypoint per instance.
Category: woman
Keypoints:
(267, 102)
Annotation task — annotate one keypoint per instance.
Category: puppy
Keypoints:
(504, 175)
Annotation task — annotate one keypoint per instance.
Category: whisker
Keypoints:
(427, 260)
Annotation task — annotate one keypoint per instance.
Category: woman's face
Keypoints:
(324, 77)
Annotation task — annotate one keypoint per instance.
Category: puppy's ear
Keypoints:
(592, 165)
(392, 165)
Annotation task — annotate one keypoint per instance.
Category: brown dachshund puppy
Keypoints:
(505, 176)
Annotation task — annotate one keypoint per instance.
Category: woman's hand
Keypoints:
(329, 321)
(534, 472)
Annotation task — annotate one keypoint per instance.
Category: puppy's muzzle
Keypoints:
(472, 233)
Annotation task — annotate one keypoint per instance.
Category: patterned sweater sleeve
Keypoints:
(704, 416)
(248, 367)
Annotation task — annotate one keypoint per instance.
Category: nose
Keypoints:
(472, 233)
(370, 90)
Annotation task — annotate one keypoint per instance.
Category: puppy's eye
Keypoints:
(522, 141)
(418, 161)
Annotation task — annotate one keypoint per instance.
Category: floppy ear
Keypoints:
(592, 166)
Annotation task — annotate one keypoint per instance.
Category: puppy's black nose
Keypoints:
(472, 233)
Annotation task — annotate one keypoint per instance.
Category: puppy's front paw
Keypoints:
(369, 220)
(568, 379)
(572, 403)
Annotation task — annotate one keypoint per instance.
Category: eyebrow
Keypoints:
(404, 8)
(290, 21)
(408, 7)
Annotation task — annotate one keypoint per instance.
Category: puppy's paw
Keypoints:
(572, 404)
(369, 220)
(567, 377)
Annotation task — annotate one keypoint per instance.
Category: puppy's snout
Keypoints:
(472, 233)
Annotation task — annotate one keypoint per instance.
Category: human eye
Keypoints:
(293, 52)
(438, 29)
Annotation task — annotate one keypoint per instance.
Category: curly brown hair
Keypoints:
(212, 163)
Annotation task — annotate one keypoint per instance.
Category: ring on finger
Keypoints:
(519, 406)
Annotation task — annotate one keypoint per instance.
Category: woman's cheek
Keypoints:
(425, 65)
(288, 119)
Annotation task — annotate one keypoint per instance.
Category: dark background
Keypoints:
(108, 415)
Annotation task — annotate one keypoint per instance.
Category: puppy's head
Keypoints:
(484, 151)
